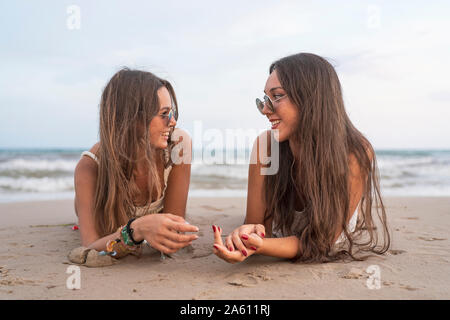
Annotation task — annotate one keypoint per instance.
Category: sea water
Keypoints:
(47, 174)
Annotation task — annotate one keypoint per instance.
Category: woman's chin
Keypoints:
(279, 135)
(161, 144)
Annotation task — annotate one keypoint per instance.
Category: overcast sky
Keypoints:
(392, 58)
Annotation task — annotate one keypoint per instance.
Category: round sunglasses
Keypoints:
(172, 114)
(267, 101)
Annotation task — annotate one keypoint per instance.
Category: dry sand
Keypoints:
(36, 237)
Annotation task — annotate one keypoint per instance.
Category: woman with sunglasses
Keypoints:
(322, 203)
(128, 176)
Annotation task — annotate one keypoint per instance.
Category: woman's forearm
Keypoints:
(287, 247)
(100, 244)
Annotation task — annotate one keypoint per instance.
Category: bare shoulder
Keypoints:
(261, 145)
(354, 165)
(86, 166)
(94, 148)
(182, 150)
(179, 135)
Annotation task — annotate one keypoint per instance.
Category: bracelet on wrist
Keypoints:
(127, 234)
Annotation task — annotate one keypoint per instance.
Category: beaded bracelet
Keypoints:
(118, 248)
(125, 236)
(130, 232)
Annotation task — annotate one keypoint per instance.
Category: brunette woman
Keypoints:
(324, 202)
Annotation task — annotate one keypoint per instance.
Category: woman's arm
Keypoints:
(256, 204)
(85, 182)
(175, 198)
(286, 247)
(159, 230)
(356, 188)
(238, 247)
(289, 247)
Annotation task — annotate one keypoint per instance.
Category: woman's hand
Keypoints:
(236, 239)
(250, 243)
(164, 232)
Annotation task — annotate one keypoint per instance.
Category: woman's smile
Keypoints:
(165, 134)
(275, 123)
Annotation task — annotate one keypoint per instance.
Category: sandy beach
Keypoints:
(36, 238)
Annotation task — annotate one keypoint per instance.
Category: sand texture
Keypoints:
(36, 238)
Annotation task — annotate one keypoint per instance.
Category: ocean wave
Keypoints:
(45, 184)
(30, 165)
(402, 173)
(223, 171)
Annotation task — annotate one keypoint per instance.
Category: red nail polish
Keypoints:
(220, 230)
(244, 236)
(253, 248)
(262, 234)
(216, 247)
(214, 228)
(244, 252)
(230, 248)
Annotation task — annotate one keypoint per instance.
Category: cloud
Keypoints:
(440, 96)
(218, 56)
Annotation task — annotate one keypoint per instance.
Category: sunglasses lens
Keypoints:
(169, 117)
(269, 103)
(260, 105)
(175, 112)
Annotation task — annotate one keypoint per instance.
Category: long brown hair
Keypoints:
(313, 176)
(128, 104)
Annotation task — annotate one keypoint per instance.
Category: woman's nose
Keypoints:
(172, 122)
(266, 109)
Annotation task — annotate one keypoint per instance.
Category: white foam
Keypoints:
(225, 171)
(38, 165)
(45, 184)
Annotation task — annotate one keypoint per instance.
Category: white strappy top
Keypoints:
(157, 205)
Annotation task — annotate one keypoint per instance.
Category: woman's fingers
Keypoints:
(229, 243)
(175, 246)
(238, 244)
(225, 254)
(254, 242)
(245, 229)
(174, 217)
(180, 238)
(181, 226)
(260, 230)
(160, 247)
(217, 235)
(177, 223)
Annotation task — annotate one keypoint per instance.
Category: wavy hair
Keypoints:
(128, 104)
(314, 175)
